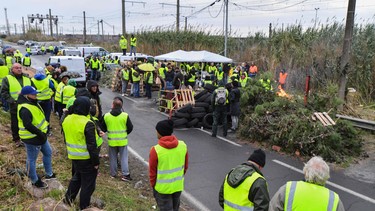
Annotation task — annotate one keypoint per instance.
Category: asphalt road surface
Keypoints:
(211, 158)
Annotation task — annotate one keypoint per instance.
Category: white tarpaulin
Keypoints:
(193, 56)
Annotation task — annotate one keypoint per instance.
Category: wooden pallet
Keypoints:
(183, 97)
(324, 118)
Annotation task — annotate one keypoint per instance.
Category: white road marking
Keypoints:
(193, 201)
(366, 198)
(134, 101)
(219, 137)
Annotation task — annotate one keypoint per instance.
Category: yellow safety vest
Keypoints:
(207, 82)
(50, 48)
(95, 64)
(59, 91)
(43, 48)
(125, 74)
(237, 198)
(4, 71)
(133, 41)
(123, 43)
(42, 86)
(9, 61)
(74, 132)
(192, 78)
(26, 61)
(150, 79)
(28, 50)
(212, 69)
(67, 93)
(309, 197)
(15, 87)
(135, 78)
(161, 72)
(171, 165)
(116, 129)
(219, 75)
(38, 121)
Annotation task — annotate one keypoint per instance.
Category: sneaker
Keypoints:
(53, 176)
(123, 95)
(126, 178)
(40, 184)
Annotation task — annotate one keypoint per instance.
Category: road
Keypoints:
(211, 158)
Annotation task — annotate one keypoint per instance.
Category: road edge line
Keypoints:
(366, 198)
(191, 199)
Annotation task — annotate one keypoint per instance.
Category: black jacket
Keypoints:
(27, 118)
(169, 75)
(116, 112)
(234, 101)
(95, 96)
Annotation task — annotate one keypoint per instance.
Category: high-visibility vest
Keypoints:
(15, 87)
(171, 165)
(125, 74)
(9, 61)
(26, 61)
(243, 80)
(253, 69)
(116, 61)
(74, 132)
(282, 78)
(150, 79)
(192, 78)
(212, 69)
(38, 121)
(226, 93)
(95, 64)
(28, 50)
(162, 71)
(67, 93)
(42, 86)
(4, 71)
(309, 197)
(237, 198)
(59, 91)
(123, 43)
(50, 48)
(135, 78)
(207, 82)
(99, 140)
(219, 75)
(133, 41)
(55, 84)
(43, 48)
(116, 129)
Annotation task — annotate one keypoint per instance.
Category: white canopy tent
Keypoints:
(193, 56)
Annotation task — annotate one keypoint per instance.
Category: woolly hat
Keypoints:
(165, 127)
(258, 157)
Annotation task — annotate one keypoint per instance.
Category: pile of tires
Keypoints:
(198, 115)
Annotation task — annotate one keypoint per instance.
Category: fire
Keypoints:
(282, 93)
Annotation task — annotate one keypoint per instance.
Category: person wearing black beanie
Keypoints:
(245, 186)
(168, 160)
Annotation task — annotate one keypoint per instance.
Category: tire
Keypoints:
(203, 98)
(201, 104)
(180, 122)
(185, 109)
(200, 94)
(207, 121)
(209, 87)
(181, 115)
(192, 123)
(198, 110)
(208, 100)
(198, 115)
(210, 109)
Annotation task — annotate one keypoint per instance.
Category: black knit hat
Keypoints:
(165, 127)
(258, 157)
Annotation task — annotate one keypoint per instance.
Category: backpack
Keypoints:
(221, 96)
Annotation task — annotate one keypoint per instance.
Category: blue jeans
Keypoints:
(133, 49)
(47, 107)
(5, 103)
(124, 86)
(93, 74)
(136, 89)
(113, 153)
(32, 152)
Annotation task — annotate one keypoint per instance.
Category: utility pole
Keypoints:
(7, 22)
(270, 31)
(178, 16)
(98, 29)
(316, 16)
(346, 51)
(50, 22)
(123, 18)
(57, 31)
(101, 21)
(84, 27)
(23, 26)
(15, 29)
(226, 28)
(185, 24)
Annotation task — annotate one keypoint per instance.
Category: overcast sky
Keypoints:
(245, 16)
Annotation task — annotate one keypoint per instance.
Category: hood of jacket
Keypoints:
(22, 99)
(237, 175)
(90, 84)
(81, 106)
(116, 111)
(39, 76)
(168, 142)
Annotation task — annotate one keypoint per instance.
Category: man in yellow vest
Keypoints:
(10, 87)
(219, 102)
(168, 163)
(33, 129)
(28, 50)
(148, 81)
(124, 80)
(136, 78)
(68, 92)
(94, 66)
(244, 187)
(133, 45)
(9, 60)
(309, 194)
(26, 61)
(118, 126)
(4, 71)
(80, 136)
(123, 44)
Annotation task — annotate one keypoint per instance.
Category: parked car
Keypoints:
(29, 42)
(35, 50)
(21, 42)
(96, 51)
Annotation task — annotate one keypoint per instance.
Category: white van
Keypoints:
(71, 52)
(73, 64)
(96, 51)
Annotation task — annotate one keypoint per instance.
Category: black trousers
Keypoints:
(84, 179)
(14, 121)
(168, 202)
(220, 115)
(124, 52)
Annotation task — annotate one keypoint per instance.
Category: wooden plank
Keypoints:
(324, 119)
(320, 119)
(329, 118)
